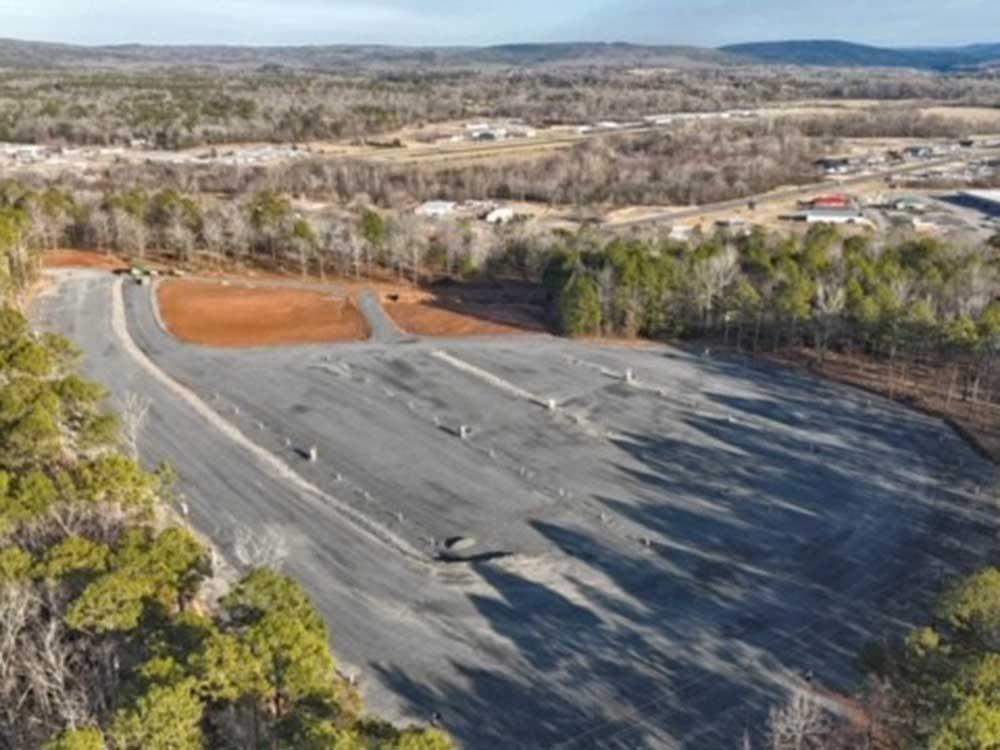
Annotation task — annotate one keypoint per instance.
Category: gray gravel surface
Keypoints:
(654, 564)
(384, 329)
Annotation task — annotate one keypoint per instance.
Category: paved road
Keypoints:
(654, 563)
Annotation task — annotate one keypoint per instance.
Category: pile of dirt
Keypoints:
(219, 314)
(81, 259)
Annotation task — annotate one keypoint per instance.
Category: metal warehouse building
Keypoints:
(987, 201)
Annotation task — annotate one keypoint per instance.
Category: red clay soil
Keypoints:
(212, 314)
(430, 319)
(81, 259)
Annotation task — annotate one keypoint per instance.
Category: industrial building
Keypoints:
(834, 164)
(833, 216)
(829, 201)
(910, 203)
(987, 201)
(918, 152)
(436, 209)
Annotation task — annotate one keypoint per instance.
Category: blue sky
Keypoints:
(428, 22)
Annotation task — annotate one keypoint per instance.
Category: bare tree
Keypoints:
(267, 548)
(135, 409)
(830, 300)
(130, 233)
(711, 276)
(800, 724)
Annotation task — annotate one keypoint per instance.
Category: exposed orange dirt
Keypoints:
(214, 314)
(448, 319)
(81, 259)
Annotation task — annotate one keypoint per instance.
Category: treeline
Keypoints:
(682, 166)
(262, 229)
(900, 122)
(117, 631)
(187, 107)
(686, 166)
(935, 689)
(907, 303)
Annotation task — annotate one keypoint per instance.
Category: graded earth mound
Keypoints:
(217, 314)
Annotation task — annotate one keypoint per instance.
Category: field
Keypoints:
(989, 116)
(221, 314)
(509, 532)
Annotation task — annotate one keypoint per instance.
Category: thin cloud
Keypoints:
(449, 22)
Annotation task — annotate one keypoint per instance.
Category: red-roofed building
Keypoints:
(833, 200)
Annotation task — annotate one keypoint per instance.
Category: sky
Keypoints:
(479, 22)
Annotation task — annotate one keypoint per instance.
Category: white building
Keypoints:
(834, 216)
(522, 131)
(500, 216)
(436, 209)
(681, 232)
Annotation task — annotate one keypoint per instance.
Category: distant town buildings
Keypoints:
(834, 164)
(833, 216)
(830, 201)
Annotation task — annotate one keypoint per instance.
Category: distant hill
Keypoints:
(596, 53)
(833, 53)
(26, 54)
(35, 55)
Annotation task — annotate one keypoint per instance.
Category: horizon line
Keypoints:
(609, 43)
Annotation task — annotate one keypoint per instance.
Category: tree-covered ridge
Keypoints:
(111, 637)
(264, 95)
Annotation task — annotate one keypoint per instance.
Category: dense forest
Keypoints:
(184, 107)
(120, 628)
(685, 165)
(760, 290)
(913, 303)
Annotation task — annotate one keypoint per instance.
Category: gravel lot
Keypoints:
(655, 562)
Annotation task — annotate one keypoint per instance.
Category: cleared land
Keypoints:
(216, 314)
(653, 564)
(447, 318)
(81, 259)
(974, 115)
